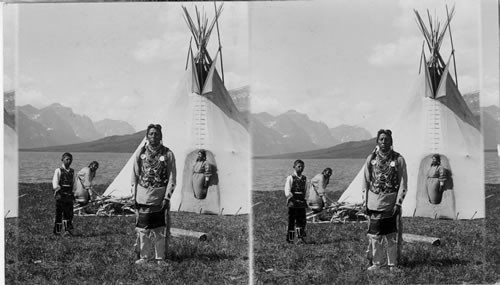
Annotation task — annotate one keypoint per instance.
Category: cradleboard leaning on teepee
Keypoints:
(437, 120)
(203, 116)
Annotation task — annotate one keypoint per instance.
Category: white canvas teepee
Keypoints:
(437, 120)
(203, 116)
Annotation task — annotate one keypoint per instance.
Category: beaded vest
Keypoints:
(299, 187)
(154, 168)
(66, 181)
(384, 173)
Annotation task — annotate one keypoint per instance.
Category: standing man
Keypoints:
(153, 182)
(384, 189)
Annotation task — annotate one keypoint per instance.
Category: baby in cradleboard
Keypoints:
(295, 192)
(63, 183)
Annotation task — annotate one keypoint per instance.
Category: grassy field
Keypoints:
(335, 253)
(101, 250)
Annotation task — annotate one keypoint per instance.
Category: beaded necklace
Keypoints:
(152, 160)
(153, 167)
(384, 173)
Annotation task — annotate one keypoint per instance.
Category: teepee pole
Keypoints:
(452, 48)
(189, 51)
(473, 215)
(422, 55)
(430, 25)
(218, 36)
(237, 212)
(423, 29)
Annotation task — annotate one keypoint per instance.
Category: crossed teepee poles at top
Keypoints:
(434, 34)
(201, 30)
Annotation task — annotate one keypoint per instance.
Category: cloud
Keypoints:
(345, 112)
(464, 28)
(172, 15)
(8, 83)
(397, 53)
(174, 42)
(333, 107)
(364, 107)
(164, 48)
(490, 91)
(128, 107)
(32, 97)
(26, 80)
(490, 96)
(167, 45)
(264, 99)
(233, 80)
(467, 83)
(147, 50)
(266, 104)
(128, 101)
(463, 9)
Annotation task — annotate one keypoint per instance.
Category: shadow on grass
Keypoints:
(441, 262)
(318, 242)
(180, 257)
(331, 240)
(100, 234)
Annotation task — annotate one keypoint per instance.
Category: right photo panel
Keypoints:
(375, 142)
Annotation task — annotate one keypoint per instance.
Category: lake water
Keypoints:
(492, 168)
(38, 167)
(268, 174)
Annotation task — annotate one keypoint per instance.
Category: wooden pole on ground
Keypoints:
(411, 238)
(190, 234)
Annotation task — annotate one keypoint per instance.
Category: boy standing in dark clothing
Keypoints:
(295, 191)
(62, 183)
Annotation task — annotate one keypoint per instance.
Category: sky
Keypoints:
(112, 60)
(353, 61)
(490, 49)
(339, 61)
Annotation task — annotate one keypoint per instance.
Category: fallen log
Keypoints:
(187, 233)
(418, 238)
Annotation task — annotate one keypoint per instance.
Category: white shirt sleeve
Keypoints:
(403, 187)
(55, 179)
(288, 186)
(172, 180)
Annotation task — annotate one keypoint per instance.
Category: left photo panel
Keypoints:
(127, 146)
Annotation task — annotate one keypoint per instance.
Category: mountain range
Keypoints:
(359, 149)
(58, 128)
(293, 131)
(489, 117)
(290, 133)
(59, 125)
(117, 143)
(491, 125)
